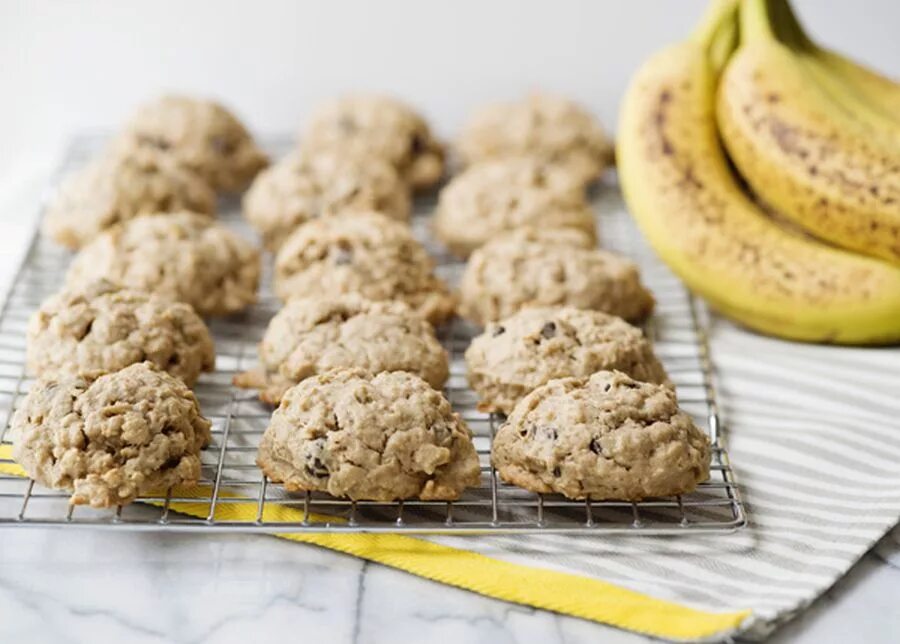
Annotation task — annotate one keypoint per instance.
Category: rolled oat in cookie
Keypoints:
(105, 327)
(199, 134)
(528, 349)
(497, 196)
(607, 436)
(372, 125)
(112, 438)
(310, 336)
(180, 256)
(385, 437)
(550, 128)
(526, 268)
(368, 254)
(118, 186)
(305, 186)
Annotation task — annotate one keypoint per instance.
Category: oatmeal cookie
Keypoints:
(201, 135)
(527, 268)
(528, 349)
(551, 128)
(385, 437)
(493, 197)
(364, 253)
(119, 186)
(310, 336)
(378, 126)
(110, 439)
(180, 256)
(301, 187)
(603, 437)
(104, 327)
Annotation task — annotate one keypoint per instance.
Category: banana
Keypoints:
(800, 152)
(871, 88)
(681, 191)
(870, 114)
(875, 88)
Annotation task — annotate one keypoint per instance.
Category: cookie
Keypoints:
(120, 186)
(111, 439)
(368, 126)
(603, 437)
(384, 438)
(301, 187)
(364, 253)
(201, 135)
(310, 336)
(104, 327)
(493, 197)
(530, 268)
(528, 349)
(180, 256)
(551, 128)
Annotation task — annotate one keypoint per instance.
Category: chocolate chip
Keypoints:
(548, 330)
(154, 142)
(317, 469)
(346, 125)
(557, 472)
(221, 145)
(596, 448)
(498, 330)
(343, 255)
(417, 144)
(607, 387)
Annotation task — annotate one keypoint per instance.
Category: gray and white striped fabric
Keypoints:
(814, 435)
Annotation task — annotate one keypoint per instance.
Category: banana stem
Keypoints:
(717, 12)
(788, 26)
(723, 45)
(756, 20)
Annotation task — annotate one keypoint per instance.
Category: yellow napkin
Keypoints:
(539, 587)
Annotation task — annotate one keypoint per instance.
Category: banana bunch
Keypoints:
(793, 228)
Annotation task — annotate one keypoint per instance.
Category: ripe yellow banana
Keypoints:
(681, 191)
(871, 115)
(878, 92)
(875, 88)
(798, 149)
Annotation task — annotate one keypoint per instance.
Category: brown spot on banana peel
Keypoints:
(768, 271)
(665, 97)
(829, 164)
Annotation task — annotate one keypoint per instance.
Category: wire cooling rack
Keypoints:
(234, 495)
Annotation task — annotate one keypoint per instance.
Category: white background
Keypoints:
(68, 65)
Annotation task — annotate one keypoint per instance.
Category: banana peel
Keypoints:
(683, 194)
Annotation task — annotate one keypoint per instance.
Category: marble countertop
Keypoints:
(86, 586)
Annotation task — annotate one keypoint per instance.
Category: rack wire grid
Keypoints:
(231, 479)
